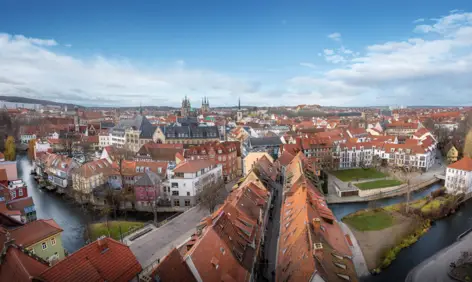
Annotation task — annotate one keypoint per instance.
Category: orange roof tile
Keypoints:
(463, 164)
(102, 260)
(35, 231)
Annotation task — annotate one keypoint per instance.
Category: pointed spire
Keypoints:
(239, 103)
(140, 109)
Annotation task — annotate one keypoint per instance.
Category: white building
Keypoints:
(188, 178)
(459, 176)
(104, 140)
(41, 146)
(25, 138)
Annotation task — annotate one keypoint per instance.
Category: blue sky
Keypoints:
(267, 52)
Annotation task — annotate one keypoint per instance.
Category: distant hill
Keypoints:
(23, 100)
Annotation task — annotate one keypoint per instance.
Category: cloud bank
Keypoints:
(433, 66)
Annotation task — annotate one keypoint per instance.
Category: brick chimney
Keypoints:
(102, 244)
(318, 251)
(317, 224)
(209, 221)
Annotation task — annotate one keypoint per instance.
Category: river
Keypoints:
(443, 233)
(70, 217)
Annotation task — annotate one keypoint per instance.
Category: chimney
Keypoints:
(209, 221)
(317, 224)
(318, 251)
(102, 244)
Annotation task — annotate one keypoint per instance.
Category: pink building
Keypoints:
(10, 169)
(147, 190)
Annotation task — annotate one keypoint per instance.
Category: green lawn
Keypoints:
(378, 184)
(113, 230)
(358, 174)
(370, 220)
(433, 205)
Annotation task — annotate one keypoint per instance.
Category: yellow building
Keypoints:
(451, 153)
(251, 159)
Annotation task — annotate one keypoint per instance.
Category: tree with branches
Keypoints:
(404, 172)
(211, 195)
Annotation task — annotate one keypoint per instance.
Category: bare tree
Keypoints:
(405, 174)
(211, 195)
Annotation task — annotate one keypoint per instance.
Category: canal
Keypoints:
(443, 233)
(70, 216)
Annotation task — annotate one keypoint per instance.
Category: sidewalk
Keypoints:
(358, 257)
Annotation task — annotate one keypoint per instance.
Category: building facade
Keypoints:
(459, 176)
(188, 178)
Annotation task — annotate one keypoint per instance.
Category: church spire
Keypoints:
(239, 103)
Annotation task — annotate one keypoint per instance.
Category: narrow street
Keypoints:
(272, 234)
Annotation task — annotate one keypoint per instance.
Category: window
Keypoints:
(188, 193)
(175, 185)
(175, 193)
(20, 192)
(176, 203)
(53, 241)
(44, 245)
(13, 194)
(187, 203)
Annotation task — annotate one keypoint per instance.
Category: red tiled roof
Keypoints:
(34, 231)
(173, 268)
(18, 266)
(193, 166)
(110, 261)
(463, 164)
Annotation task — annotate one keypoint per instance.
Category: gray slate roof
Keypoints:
(148, 179)
(138, 123)
(190, 132)
(265, 141)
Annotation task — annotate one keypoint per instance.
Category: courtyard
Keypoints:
(357, 174)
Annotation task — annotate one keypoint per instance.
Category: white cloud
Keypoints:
(35, 41)
(418, 21)
(29, 68)
(335, 36)
(308, 65)
(424, 70)
(328, 52)
(68, 45)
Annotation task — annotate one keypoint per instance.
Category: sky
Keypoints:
(267, 53)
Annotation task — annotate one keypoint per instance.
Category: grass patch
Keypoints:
(433, 205)
(378, 184)
(370, 220)
(358, 174)
(113, 230)
(418, 204)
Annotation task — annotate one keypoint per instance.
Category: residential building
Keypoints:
(312, 246)
(147, 191)
(101, 260)
(228, 242)
(132, 133)
(93, 175)
(42, 237)
(252, 158)
(401, 128)
(25, 138)
(270, 145)
(459, 176)
(25, 207)
(188, 178)
(319, 150)
(104, 139)
(42, 146)
(159, 152)
(57, 170)
(221, 153)
(451, 153)
(17, 264)
(187, 133)
(16, 189)
(9, 168)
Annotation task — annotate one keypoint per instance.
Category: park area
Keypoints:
(383, 231)
(112, 229)
(384, 183)
(357, 174)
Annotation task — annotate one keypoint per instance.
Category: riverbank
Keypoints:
(383, 232)
(375, 243)
(436, 268)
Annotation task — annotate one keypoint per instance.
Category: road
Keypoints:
(160, 241)
(272, 235)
